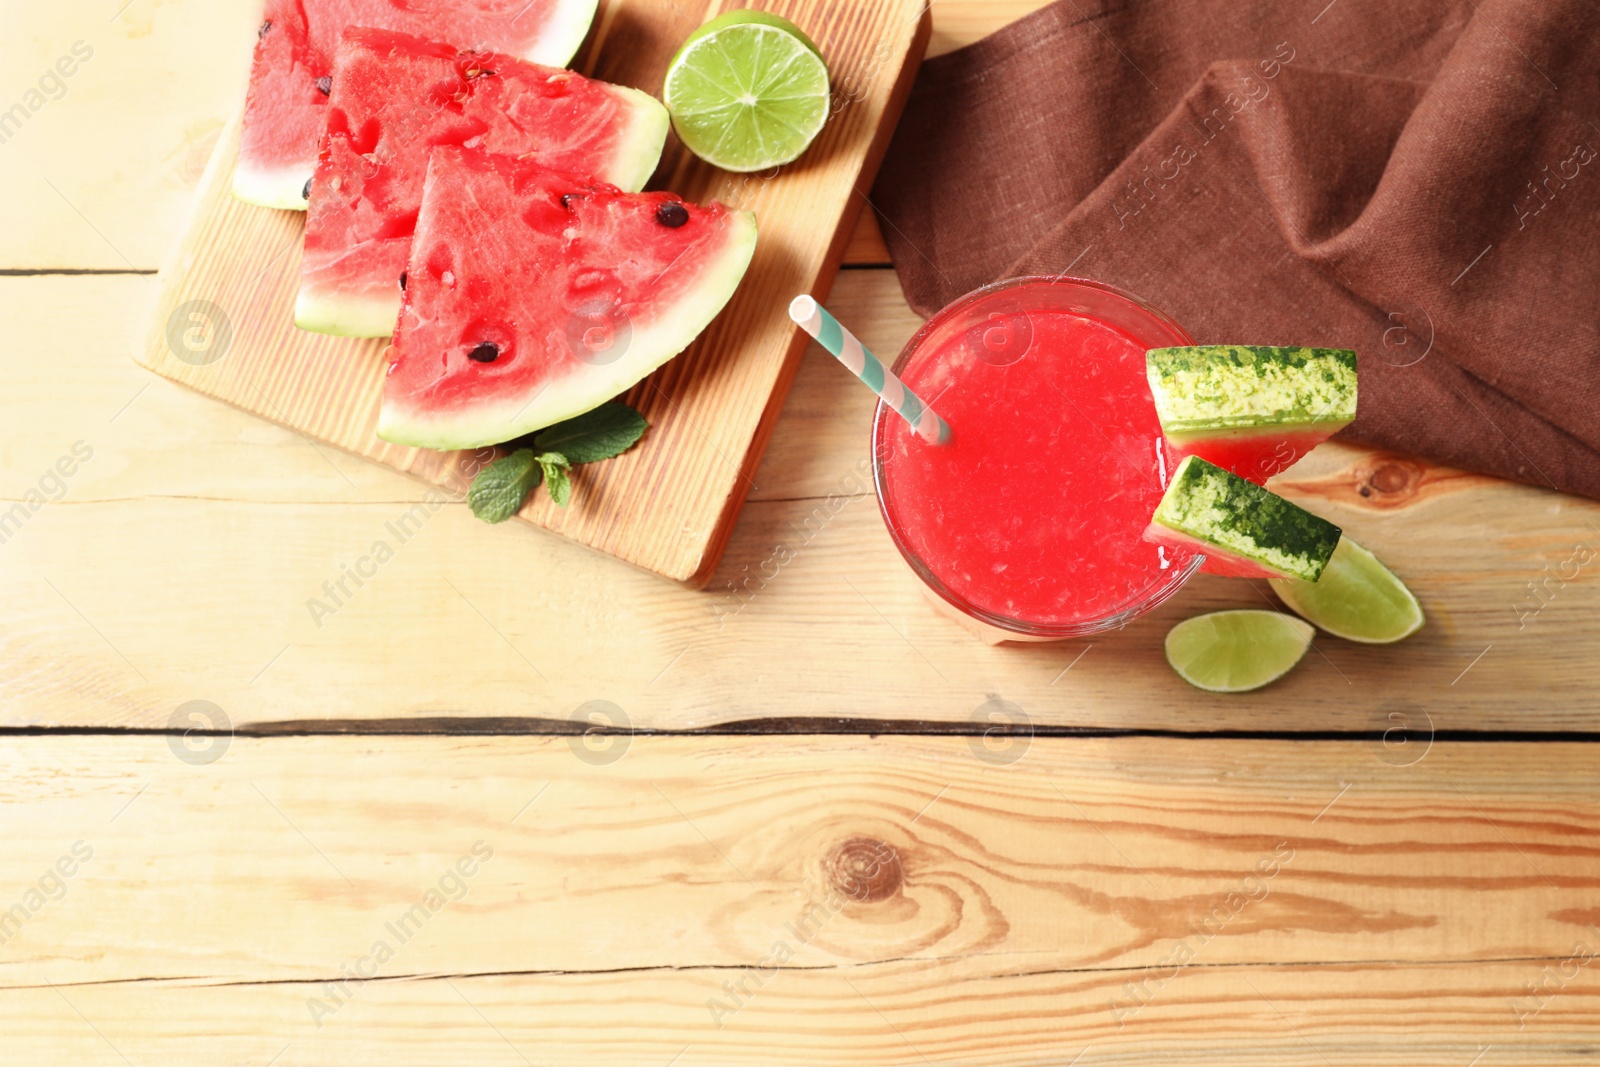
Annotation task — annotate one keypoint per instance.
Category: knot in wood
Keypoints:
(865, 869)
(1395, 478)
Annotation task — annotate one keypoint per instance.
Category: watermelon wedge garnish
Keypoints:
(1251, 409)
(532, 297)
(1243, 530)
(294, 59)
(396, 98)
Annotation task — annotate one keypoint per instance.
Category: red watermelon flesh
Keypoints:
(395, 99)
(295, 49)
(532, 297)
(1254, 456)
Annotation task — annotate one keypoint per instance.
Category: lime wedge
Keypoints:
(1357, 598)
(747, 91)
(1235, 651)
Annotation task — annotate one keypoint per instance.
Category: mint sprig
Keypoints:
(499, 490)
(557, 475)
(608, 430)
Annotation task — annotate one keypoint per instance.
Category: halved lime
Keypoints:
(1357, 598)
(747, 91)
(1235, 651)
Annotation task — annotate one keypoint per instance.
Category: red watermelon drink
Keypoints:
(1029, 522)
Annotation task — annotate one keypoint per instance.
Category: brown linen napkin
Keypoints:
(1419, 182)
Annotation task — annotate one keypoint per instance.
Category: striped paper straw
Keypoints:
(814, 319)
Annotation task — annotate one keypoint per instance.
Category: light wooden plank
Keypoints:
(866, 247)
(985, 905)
(101, 174)
(874, 1015)
(108, 168)
(195, 540)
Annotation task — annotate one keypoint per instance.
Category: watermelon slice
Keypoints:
(397, 97)
(1243, 530)
(295, 45)
(533, 297)
(1251, 409)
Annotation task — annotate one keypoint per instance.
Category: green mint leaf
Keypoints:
(609, 430)
(500, 488)
(557, 476)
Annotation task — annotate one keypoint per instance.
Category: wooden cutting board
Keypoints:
(223, 322)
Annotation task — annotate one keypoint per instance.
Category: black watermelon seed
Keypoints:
(487, 352)
(403, 280)
(566, 200)
(324, 85)
(305, 192)
(672, 214)
(262, 32)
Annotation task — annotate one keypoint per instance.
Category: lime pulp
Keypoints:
(747, 91)
(1357, 598)
(1236, 651)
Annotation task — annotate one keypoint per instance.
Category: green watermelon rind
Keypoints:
(1219, 513)
(641, 146)
(651, 345)
(574, 17)
(1184, 436)
(282, 187)
(1240, 391)
(346, 316)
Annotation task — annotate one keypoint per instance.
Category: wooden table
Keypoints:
(394, 846)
